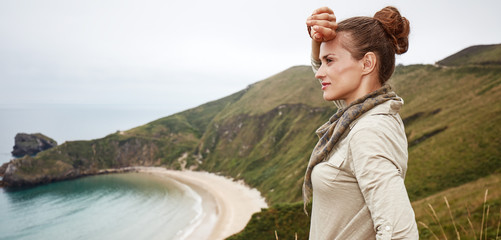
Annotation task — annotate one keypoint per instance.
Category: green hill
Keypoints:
(265, 133)
(475, 55)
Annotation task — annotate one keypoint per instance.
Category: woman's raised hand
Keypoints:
(322, 25)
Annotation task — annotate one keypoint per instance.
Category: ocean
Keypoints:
(115, 206)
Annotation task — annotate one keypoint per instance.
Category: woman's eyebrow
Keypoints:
(327, 55)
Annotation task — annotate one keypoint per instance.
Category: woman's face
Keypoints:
(339, 73)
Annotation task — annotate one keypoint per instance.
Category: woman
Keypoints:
(356, 171)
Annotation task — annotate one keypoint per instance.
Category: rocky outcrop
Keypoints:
(31, 144)
(82, 158)
(12, 177)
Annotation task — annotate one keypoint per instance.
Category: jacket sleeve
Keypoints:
(315, 65)
(380, 175)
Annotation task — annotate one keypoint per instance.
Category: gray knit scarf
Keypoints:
(331, 131)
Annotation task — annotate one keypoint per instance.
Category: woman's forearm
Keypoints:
(315, 50)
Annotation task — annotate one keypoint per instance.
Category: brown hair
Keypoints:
(386, 34)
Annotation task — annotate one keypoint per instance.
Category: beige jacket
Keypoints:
(359, 193)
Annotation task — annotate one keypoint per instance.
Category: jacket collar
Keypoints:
(391, 107)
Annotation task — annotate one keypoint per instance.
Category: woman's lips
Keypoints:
(324, 85)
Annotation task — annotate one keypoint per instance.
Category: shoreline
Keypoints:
(227, 205)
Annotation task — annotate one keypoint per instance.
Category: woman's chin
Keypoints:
(329, 98)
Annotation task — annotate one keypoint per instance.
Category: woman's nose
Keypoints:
(320, 73)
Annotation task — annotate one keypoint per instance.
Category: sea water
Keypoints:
(114, 206)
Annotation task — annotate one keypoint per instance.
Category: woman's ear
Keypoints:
(369, 63)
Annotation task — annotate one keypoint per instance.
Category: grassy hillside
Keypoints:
(452, 122)
(293, 86)
(475, 55)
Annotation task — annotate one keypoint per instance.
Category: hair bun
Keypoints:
(396, 26)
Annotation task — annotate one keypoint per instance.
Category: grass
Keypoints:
(284, 221)
(276, 236)
(469, 135)
(471, 211)
(461, 231)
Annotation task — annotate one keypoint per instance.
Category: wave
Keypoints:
(197, 207)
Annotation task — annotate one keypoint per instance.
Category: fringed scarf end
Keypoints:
(306, 198)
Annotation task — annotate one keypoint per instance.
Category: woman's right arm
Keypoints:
(315, 52)
(322, 28)
(378, 149)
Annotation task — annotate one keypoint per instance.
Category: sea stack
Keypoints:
(31, 144)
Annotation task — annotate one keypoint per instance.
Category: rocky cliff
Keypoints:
(31, 144)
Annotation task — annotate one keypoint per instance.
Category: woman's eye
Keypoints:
(328, 60)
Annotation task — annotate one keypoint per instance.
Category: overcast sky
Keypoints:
(180, 54)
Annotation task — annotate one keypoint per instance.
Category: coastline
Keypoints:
(227, 205)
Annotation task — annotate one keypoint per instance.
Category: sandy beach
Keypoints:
(228, 205)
